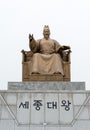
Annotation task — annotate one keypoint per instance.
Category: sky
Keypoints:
(69, 22)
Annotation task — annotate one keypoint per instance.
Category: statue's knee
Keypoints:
(36, 55)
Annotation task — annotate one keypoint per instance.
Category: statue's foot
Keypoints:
(35, 73)
(57, 73)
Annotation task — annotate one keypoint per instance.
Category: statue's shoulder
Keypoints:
(56, 42)
(38, 40)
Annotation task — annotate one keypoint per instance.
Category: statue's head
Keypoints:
(46, 31)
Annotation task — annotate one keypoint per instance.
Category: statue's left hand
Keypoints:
(65, 47)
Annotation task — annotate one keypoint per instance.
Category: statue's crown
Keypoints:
(46, 27)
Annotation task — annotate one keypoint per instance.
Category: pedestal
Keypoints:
(45, 106)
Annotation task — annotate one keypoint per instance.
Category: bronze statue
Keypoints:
(47, 54)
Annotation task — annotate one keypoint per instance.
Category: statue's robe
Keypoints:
(46, 59)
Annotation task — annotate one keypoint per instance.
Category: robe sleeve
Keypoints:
(34, 45)
(56, 46)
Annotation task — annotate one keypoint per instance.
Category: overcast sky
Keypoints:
(69, 22)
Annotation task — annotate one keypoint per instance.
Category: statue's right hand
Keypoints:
(30, 37)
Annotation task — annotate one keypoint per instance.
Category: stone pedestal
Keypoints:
(45, 106)
(45, 86)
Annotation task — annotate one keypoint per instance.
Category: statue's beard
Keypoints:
(46, 36)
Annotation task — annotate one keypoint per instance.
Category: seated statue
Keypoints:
(47, 54)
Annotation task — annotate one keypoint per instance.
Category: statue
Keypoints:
(47, 54)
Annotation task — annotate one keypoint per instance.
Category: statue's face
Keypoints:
(46, 33)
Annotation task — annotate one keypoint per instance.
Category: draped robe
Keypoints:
(46, 59)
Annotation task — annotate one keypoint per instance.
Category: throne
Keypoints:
(27, 66)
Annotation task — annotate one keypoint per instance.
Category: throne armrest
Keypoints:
(26, 55)
(65, 54)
